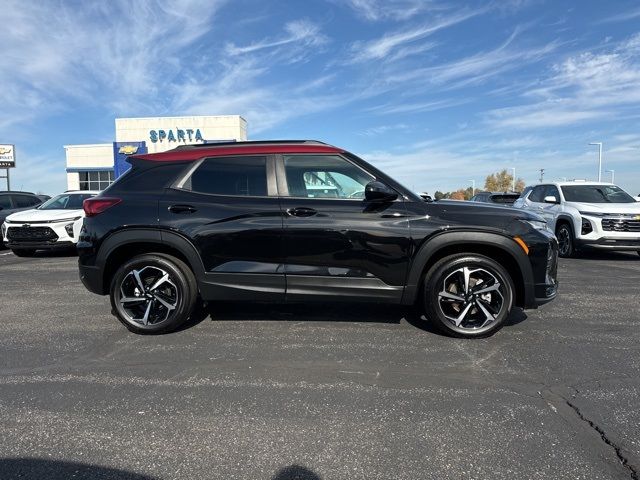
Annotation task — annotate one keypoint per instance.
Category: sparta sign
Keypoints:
(7, 156)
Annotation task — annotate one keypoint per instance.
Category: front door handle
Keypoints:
(301, 212)
(182, 209)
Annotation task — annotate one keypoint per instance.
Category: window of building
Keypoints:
(244, 176)
(96, 180)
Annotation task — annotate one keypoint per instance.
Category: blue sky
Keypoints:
(436, 93)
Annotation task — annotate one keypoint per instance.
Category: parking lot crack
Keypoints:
(619, 453)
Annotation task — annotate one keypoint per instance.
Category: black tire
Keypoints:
(443, 278)
(566, 241)
(179, 289)
(23, 252)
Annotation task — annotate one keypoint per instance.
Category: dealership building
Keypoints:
(95, 166)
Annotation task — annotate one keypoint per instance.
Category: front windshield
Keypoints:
(66, 201)
(596, 194)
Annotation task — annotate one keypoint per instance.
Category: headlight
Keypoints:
(594, 214)
(537, 224)
(66, 220)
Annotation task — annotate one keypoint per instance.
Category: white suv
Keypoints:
(586, 214)
(54, 224)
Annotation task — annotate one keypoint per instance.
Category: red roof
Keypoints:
(254, 149)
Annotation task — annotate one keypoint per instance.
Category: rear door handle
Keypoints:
(301, 212)
(182, 209)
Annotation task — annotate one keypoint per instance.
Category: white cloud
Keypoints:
(301, 32)
(386, 45)
(623, 16)
(582, 87)
(376, 10)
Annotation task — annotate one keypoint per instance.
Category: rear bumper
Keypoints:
(91, 278)
(628, 244)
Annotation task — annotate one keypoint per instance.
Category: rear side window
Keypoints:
(239, 176)
(5, 201)
(24, 201)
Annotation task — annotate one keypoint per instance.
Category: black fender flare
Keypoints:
(565, 218)
(434, 244)
(163, 238)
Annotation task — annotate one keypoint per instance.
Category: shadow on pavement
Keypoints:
(41, 469)
(323, 312)
(604, 255)
(296, 472)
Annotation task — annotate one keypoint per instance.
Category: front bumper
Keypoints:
(40, 245)
(622, 244)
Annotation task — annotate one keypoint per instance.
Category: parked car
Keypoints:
(238, 221)
(11, 202)
(501, 198)
(53, 225)
(587, 215)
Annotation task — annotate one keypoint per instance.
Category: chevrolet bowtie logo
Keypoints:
(128, 149)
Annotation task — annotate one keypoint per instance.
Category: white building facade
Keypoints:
(95, 166)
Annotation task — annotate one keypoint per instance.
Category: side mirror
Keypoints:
(378, 192)
(551, 199)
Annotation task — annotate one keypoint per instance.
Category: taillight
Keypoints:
(94, 206)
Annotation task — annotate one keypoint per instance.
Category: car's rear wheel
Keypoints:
(468, 295)
(23, 252)
(153, 293)
(566, 241)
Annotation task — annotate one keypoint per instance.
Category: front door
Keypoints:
(335, 241)
(229, 209)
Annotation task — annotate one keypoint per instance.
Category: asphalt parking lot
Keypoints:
(318, 391)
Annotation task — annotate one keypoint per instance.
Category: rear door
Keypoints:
(229, 209)
(337, 243)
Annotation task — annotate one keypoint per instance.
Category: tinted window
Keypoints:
(504, 198)
(552, 191)
(538, 194)
(5, 201)
(244, 176)
(25, 201)
(596, 194)
(324, 176)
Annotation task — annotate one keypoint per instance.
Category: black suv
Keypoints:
(12, 202)
(301, 221)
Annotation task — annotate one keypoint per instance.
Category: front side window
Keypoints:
(596, 194)
(96, 180)
(238, 176)
(538, 194)
(66, 201)
(324, 176)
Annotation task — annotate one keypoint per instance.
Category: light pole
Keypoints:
(513, 183)
(473, 187)
(613, 175)
(599, 144)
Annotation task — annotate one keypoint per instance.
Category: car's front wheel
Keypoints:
(468, 295)
(153, 293)
(566, 242)
(23, 252)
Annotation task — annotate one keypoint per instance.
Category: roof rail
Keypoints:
(252, 142)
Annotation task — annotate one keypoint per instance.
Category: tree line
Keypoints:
(501, 181)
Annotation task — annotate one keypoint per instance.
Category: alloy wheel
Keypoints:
(564, 241)
(471, 298)
(148, 296)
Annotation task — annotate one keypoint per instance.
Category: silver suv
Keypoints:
(586, 214)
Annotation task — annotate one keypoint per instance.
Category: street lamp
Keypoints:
(473, 187)
(599, 159)
(513, 183)
(613, 175)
